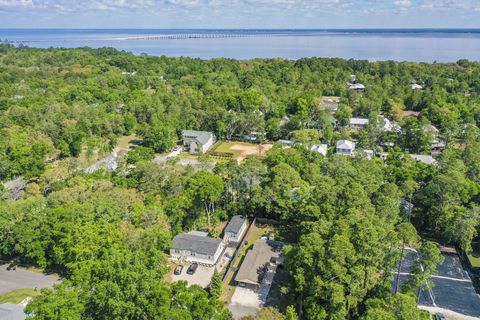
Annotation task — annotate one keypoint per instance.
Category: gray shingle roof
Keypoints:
(200, 136)
(235, 224)
(256, 260)
(198, 244)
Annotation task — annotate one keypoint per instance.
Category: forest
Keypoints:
(108, 233)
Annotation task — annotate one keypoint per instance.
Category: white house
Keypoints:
(416, 87)
(235, 229)
(368, 153)
(196, 247)
(198, 141)
(322, 148)
(345, 147)
(356, 86)
(358, 123)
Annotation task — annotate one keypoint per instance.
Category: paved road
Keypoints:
(12, 280)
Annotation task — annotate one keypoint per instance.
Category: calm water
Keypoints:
(400, 45)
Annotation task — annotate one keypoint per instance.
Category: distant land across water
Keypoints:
(417, 45)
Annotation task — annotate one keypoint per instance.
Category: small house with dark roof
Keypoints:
(198, 141)
(196, 247)
(235, 229)
(257, 262)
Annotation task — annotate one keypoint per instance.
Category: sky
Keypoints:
(239, 14)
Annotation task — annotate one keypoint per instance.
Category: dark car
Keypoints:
(178, 270)
(193, 267)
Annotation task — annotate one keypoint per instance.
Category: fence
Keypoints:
(238, 250)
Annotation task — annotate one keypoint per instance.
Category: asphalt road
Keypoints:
(12, 280)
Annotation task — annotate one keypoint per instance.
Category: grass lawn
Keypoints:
(17, 296)
(125, 143)
(474, 255)
(474, 260)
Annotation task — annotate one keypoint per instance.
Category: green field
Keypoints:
(17, 296)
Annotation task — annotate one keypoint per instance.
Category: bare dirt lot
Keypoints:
(241, 150)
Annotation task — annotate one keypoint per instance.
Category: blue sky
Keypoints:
(239, 13)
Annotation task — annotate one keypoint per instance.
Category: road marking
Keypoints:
(439, 277)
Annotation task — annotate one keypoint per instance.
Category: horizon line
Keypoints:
(266, 29)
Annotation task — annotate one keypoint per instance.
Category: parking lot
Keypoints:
(453, 288)
(202, 275)
(20, 278)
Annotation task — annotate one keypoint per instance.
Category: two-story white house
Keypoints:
(235, 229)
(345, 147)
(198, 141)
(196, 247)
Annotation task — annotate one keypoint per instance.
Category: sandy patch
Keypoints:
(257, 150)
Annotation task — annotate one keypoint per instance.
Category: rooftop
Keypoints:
(427, 159)
(257, 259)
(196, 243)
(358, 121)
(345, 144)
(10, 311)
(201, 136)
(235, 224)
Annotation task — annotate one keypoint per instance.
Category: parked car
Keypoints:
(193, 267)
(440, 316)
(178, 270)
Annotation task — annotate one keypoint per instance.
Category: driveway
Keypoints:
(20, 278)
(246, 301)
(202, 276)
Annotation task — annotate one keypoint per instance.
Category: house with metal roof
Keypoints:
(427, 159)
(198, 141)
(357, 86)
(196, 247)
(358, 123)
(322, 148)
(345, 147)
(235, 229)
(263, 255)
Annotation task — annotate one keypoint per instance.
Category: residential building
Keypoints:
(198, 141)
(196, 246)
(330, 103)
(286, 142)
(358, 123)
(416, 87)
(427, 159)
(322, 148)
(359, 87)
(368, 153)
(345, 147)
(235, 229)
(263, 255)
